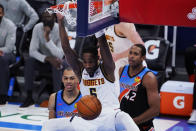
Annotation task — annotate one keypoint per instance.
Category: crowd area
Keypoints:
(117, 57)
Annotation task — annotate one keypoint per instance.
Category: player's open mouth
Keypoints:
(69, 86)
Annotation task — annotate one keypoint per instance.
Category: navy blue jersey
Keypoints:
(133, 95)
(63, 109)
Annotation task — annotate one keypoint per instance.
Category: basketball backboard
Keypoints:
(94, 15)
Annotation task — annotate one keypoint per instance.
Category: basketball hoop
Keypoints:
(65, 10)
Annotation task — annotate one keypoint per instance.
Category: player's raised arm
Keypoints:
(108, 63)
(71, 57)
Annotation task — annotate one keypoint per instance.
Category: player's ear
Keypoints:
(62, 79)
(144, 57)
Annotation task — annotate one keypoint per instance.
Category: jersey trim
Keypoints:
(72, 101)
(117, 34)
(122, 72)
(82, 69)
(135, 74)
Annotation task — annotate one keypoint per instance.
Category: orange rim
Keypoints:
(71, 6)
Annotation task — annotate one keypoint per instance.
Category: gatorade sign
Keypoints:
(178, 102)
(152, 47)
(176, 98)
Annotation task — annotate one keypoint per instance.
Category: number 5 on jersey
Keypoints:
(93, 91)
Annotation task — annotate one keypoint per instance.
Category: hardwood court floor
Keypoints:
(13, 118)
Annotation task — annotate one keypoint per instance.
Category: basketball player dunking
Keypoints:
(96, 78)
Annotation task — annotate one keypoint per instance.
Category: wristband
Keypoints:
(99, 33)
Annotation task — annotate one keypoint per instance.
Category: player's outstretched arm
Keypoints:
(109, 2)
(128, 30)
(71, 57)
(151, 85)
(108, 63)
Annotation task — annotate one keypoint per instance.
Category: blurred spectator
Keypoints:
(23, 16)
(192, 119)
(190, 64)
(45, 54)
(41, 5)
(63, 102)
(17, 11)
(7, 46)
(190, 58)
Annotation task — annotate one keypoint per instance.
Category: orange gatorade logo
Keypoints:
(176, 103)
(153, 49)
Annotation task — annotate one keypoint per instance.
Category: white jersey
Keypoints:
(117, 44)
(101, 87)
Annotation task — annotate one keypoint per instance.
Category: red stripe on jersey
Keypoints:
(122, 94)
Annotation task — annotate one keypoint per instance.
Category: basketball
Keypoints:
(89, 107)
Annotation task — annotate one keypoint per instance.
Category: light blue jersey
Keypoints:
(63, 109)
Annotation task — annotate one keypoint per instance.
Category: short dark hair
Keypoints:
(142, 47)
(91, 49)
(46, 13)
(90, 45)
(1, 6)
(68, 68)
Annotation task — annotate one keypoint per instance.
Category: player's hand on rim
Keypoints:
(60, 17)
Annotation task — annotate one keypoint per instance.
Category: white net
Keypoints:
(65, 9)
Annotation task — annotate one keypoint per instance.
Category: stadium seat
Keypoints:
(148, 30)
(16, 69)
